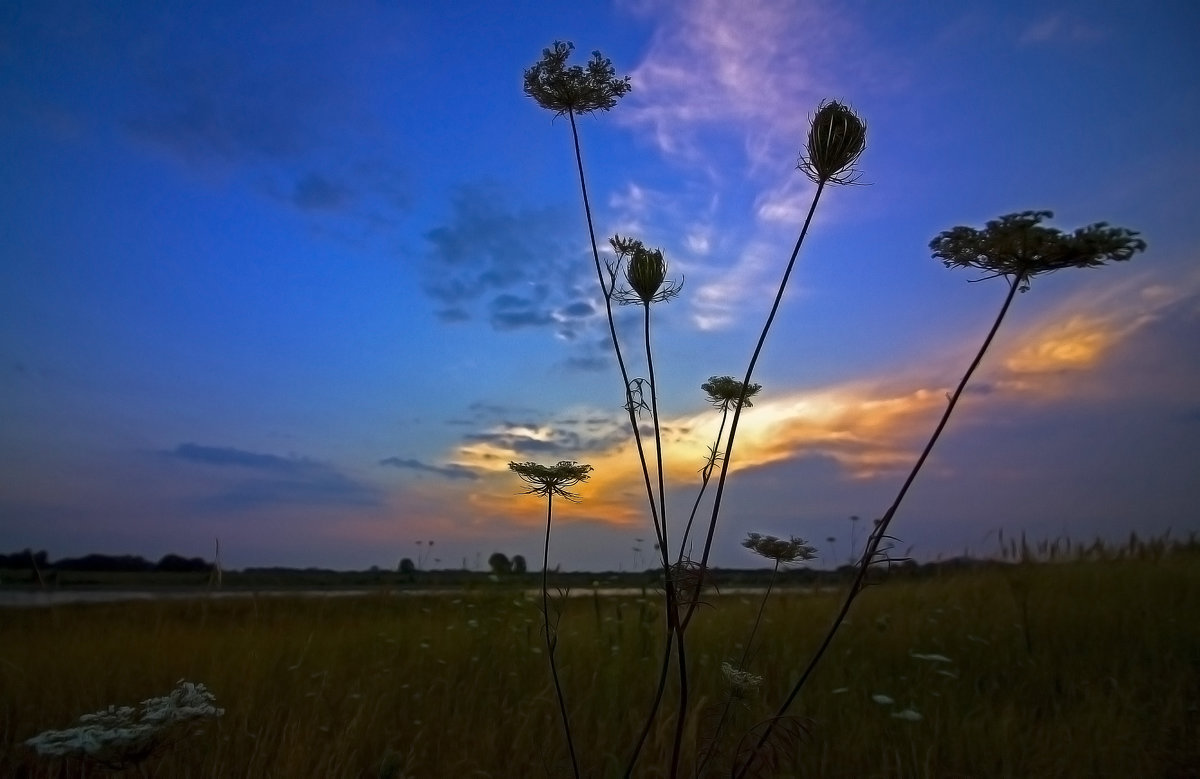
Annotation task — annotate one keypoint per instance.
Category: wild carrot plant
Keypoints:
(1015, 247)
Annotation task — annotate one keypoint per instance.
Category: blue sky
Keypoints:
(306, 277)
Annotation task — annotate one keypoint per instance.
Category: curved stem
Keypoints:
(880, 531)
(737, 411)
(612, 330)
(716, 737)
(659, 527)
(658, 449)
(704, 479)
(552, 641)
(681, 718)
(658, 696)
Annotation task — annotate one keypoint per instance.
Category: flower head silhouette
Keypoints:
(550, 480)
(836, 139)
(725, 391)
(783, 551)
(577, 89)
(1017, 245)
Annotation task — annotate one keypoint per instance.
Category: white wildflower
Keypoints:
(933, 658)
(909, 715)
(121, 736)
(740, 680)
(882, 700)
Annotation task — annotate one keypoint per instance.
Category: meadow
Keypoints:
(1064, 669)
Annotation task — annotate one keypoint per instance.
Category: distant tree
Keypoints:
(178, 564)
(518, 564)
(407, 567)
(500, 563)
(101, 562)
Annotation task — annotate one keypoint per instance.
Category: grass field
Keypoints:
(1077, 669)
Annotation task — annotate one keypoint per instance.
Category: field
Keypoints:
(1068, 669)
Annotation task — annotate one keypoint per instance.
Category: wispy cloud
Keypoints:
(869, 428)
(509, 263)
(267, 479)
(714, 63)
(1059, 28)
(450, 471)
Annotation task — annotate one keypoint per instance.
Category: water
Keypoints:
(24, 598)
(37, 598)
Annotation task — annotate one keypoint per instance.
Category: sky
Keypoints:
(306, 277)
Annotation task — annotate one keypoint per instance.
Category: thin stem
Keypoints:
(659, 528)
(681, 718)
(704, 479)
(658, 696)
(658, 449)
(737, 411)
(716, 737)
(880, 531)
(552, 642)
(612, 330)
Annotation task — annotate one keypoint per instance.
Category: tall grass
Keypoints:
(456, 685)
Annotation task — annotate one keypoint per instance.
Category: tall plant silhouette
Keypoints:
(1015, 247)
(571, 92)
(836, 140)
(548, 481)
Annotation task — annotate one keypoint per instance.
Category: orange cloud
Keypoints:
(869, 428)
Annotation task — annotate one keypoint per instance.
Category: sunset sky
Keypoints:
(306, 277)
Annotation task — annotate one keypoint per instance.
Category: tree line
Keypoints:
(173, 563)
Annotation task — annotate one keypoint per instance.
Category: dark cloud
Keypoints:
(451, 471)
(509, 264)
(590, 364)
(316, 192)
(228, 108)
(274, 480)
(558, 439)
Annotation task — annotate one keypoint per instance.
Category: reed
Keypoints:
(456, 685)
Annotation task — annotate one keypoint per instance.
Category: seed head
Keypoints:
(551, 479)
(783, 552)
(836, 139)
(725, 391)
(645, 273)
(1017, 245)
(577, 89)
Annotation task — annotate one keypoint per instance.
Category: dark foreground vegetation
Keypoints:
(1085, 666)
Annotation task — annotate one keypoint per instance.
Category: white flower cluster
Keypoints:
(122, 735)
(741, 681)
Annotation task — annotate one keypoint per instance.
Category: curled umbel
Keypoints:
(836, 140)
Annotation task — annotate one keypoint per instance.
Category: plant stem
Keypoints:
(612, 330)
(880, 531)
(662, 498)
(658, 696)
(659, 526)
(712, 745)
(552, 642)
(737, 411)
(704, 480)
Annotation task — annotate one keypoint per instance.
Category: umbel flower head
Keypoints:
(836, 139)
(1018, 245)
(724, 392)
(552, 480)
(123, 736)
(784, 552)
(577, 89)
(740, 680)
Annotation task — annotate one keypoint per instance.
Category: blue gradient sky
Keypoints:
(307, 279)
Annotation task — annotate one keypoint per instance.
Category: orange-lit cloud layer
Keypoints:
(869, 427)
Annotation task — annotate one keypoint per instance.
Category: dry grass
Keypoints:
(1067, 669)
